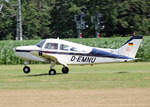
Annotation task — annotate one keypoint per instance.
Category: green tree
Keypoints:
(36, 20)
(55, 18)
(7, 19)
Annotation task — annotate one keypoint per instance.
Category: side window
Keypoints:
(73, 49)
(51, 46)
(64, 47)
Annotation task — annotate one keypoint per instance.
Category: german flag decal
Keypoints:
(130, 44)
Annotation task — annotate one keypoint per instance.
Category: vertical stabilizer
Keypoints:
(130, 48)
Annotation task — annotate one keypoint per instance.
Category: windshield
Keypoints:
(40, 44)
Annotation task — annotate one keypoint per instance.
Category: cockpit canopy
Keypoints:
(55, 46)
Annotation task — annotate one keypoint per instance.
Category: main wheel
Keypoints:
(52, 72)
(26, 69)
(65, 70)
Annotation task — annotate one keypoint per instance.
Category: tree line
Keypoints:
(55, 18)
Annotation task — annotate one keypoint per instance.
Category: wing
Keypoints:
(48, 57)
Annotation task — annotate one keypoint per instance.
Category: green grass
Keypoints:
(113, 75)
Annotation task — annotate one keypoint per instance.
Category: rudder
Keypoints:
(130, 48)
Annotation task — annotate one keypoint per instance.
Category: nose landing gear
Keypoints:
(26, 69)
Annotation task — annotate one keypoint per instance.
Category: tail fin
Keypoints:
(130, 48)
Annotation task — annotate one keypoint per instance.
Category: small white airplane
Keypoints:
(56, 51)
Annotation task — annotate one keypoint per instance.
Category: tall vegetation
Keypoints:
(7, 55)
(53, 18)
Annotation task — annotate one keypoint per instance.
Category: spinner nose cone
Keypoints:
(17, 49)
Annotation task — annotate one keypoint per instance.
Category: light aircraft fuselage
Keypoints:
(57, 51)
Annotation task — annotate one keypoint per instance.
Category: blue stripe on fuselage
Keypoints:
(97, 52)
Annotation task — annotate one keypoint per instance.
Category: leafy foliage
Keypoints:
(53, 18)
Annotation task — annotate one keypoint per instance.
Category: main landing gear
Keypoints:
(65, 70)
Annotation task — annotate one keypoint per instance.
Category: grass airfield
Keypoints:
(112, 75)
(105, 85)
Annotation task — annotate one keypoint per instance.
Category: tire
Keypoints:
(26, 69)
(52, 72)
(65, 70)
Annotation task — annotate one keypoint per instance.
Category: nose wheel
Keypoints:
(26, 69)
